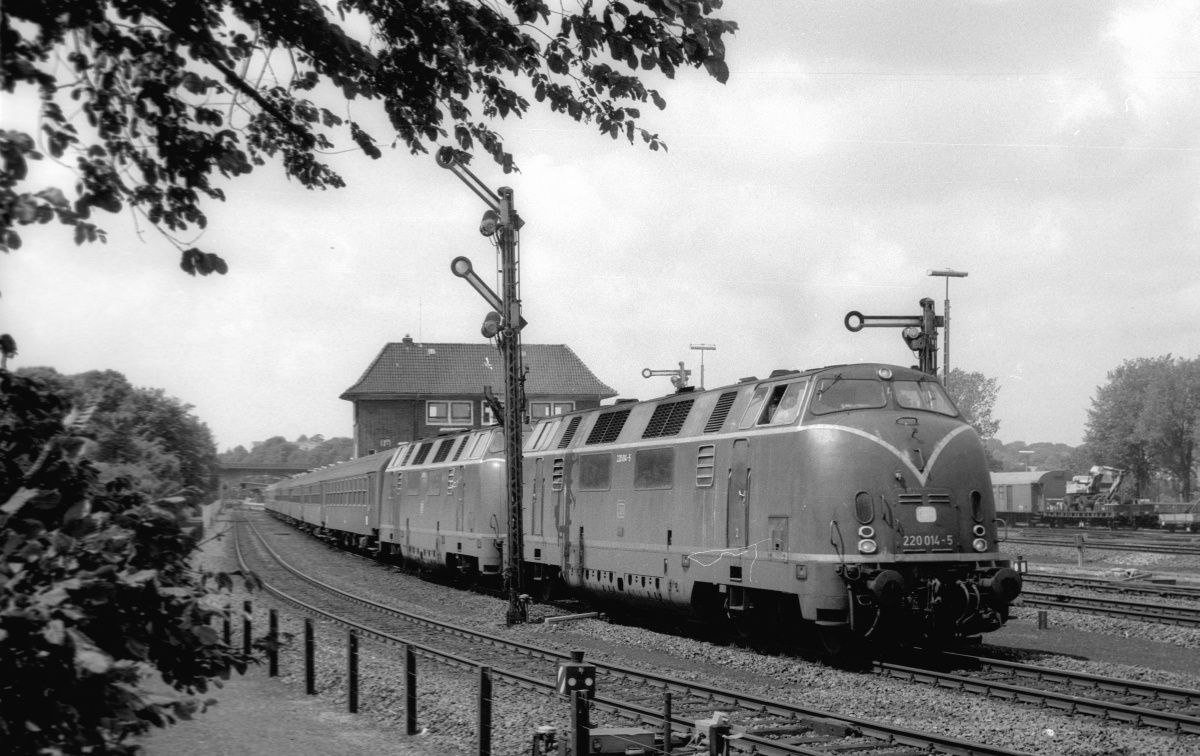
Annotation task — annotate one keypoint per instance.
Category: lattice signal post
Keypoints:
(502, 222)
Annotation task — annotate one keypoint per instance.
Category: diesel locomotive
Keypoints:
(853, 499)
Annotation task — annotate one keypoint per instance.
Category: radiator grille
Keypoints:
(668, 419)
(720, 412)
(570, 432)
(608, 426)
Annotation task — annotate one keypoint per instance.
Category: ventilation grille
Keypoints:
(608, 426)
(462, 444)
(570, 432)
(720, 412)
(667, 419)
(423, 453)
(443, 452)
(934, 498)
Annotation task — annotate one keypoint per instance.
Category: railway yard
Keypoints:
(1090, 682)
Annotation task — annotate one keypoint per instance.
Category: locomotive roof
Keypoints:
(362, 465)
(411, 368)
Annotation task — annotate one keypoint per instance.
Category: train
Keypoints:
(1048, 498)
(850, 500)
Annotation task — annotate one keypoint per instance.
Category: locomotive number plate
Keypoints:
(927, 541)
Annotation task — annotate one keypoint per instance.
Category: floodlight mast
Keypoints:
(501, 219)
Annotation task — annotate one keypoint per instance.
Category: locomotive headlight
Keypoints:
(979, 531)
(867, 546)
(866, 531)
(979, 544)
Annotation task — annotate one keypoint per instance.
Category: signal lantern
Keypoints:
(576, 676)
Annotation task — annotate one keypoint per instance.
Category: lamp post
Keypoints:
(947, 274)
(1027, 454)
(702, 348)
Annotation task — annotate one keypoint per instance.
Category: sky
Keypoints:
(1051, 150)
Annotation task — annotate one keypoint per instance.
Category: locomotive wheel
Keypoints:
(838, 642)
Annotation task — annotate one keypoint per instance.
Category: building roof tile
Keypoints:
(409, 368)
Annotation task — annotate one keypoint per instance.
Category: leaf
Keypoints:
(206, 635)
(19, 499)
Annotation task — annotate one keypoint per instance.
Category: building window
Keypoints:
(550, 409)
(449, 413)
(489, 417)
(385, 443)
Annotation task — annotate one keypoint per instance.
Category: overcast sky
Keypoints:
(1050, 149)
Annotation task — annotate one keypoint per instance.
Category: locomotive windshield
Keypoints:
(838, 394)
(924, 395)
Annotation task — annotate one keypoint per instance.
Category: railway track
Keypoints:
(761, 725)
(632, 693)
(1184, 616)
(1123, 587)
(1176, 709)
(1180, 549)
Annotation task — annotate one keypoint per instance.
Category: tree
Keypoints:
(174, 96)
(1147, 419)
(975, 395)
(97, 589)
(142, 434)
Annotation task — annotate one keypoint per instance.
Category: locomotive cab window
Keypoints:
(838, 394)
(923, 395)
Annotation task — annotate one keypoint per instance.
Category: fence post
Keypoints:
(485, 711)
(228, 630)
(246, 627)
(310, 661)
(580, 728)
(1043, 619)
(667, 723)
(352, 671)
(410, 690)
(273, 643)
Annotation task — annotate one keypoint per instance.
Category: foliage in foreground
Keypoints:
(159, 102)
(96, 591)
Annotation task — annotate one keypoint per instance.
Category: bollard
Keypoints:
(1079, 539)
(410, 690)
(246, 627)
(580, 728)
(273, 643)
(1043, 619)
(485, 711)
(667, 723)
(310, 661)
(352, 672)
(228, 630)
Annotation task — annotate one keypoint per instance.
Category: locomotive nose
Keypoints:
(1005, 584)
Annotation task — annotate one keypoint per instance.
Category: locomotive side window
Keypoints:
(435, 482)
(923, 395)
(477, 445)
(752, 410)
(412, 483)
(838, 394)
(497, 442)
(595, 472)
(784, 404)
(654, 468)
(548, 435)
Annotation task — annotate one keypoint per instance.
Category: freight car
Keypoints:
(853, 499)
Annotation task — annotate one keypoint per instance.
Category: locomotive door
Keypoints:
(460, 483)
(737, 497)
(539, 497)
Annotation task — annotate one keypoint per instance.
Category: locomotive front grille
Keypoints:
(928, 498)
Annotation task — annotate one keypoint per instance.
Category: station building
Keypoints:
(413, 390)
